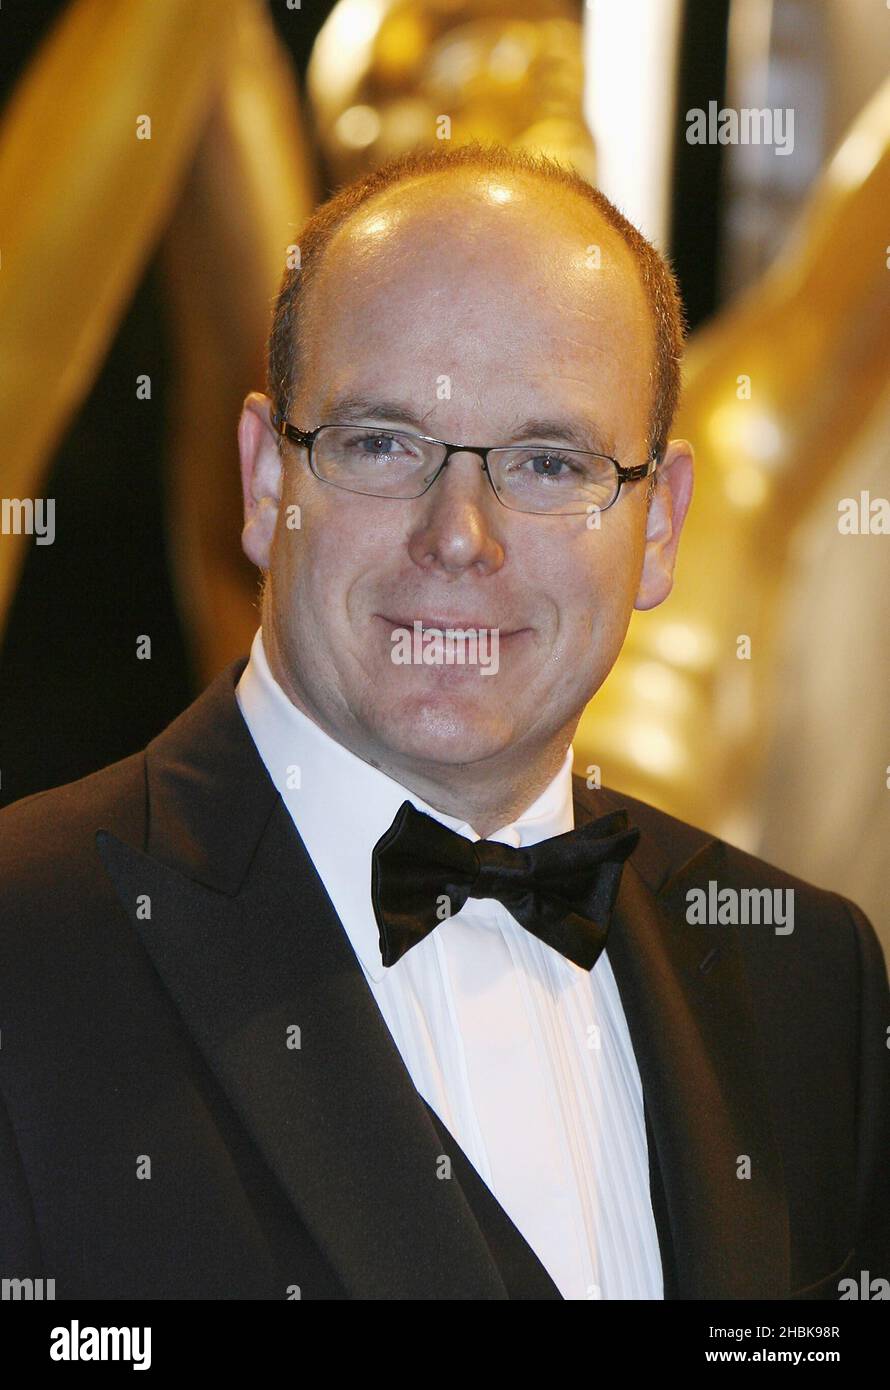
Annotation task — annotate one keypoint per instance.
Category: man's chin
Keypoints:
(444, 729)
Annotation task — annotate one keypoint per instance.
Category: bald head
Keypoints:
(449, 203)
(472, 286)
(484, 257)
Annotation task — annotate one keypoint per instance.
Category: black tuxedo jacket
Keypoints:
(163, 931)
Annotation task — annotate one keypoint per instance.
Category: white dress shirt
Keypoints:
(523, 1055)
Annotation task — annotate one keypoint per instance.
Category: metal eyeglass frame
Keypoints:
(306, 438)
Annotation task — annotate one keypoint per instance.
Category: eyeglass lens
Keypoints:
(529, 477)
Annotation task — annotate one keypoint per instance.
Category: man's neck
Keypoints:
(483, 795)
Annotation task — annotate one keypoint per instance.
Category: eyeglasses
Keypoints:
(526, 478)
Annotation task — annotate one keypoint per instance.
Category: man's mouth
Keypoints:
(442, 624)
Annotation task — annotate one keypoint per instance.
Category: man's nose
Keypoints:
(456, 524)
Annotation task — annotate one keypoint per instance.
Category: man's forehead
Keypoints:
(476, 207)
(471, 302)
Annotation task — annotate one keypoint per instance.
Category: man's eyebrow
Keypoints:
(578, 434)
(349, 408)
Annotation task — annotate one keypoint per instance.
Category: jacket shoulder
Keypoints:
(47, 840)
(674, 856)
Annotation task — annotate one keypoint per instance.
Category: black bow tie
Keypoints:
(562, 890)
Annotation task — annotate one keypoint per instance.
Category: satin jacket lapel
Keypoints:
(244, 936)
(687, 1005)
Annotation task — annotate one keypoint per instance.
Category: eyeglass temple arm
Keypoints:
(640, 470)
(289, 431)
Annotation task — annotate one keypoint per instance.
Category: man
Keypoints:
(346, 988)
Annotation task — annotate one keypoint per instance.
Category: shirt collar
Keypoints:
(341, 805)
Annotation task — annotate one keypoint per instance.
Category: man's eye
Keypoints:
(545, 465)
(376, 443)
(376, 446)
(551, 465)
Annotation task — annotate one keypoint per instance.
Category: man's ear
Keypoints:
(667, 512)
(261, 471)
